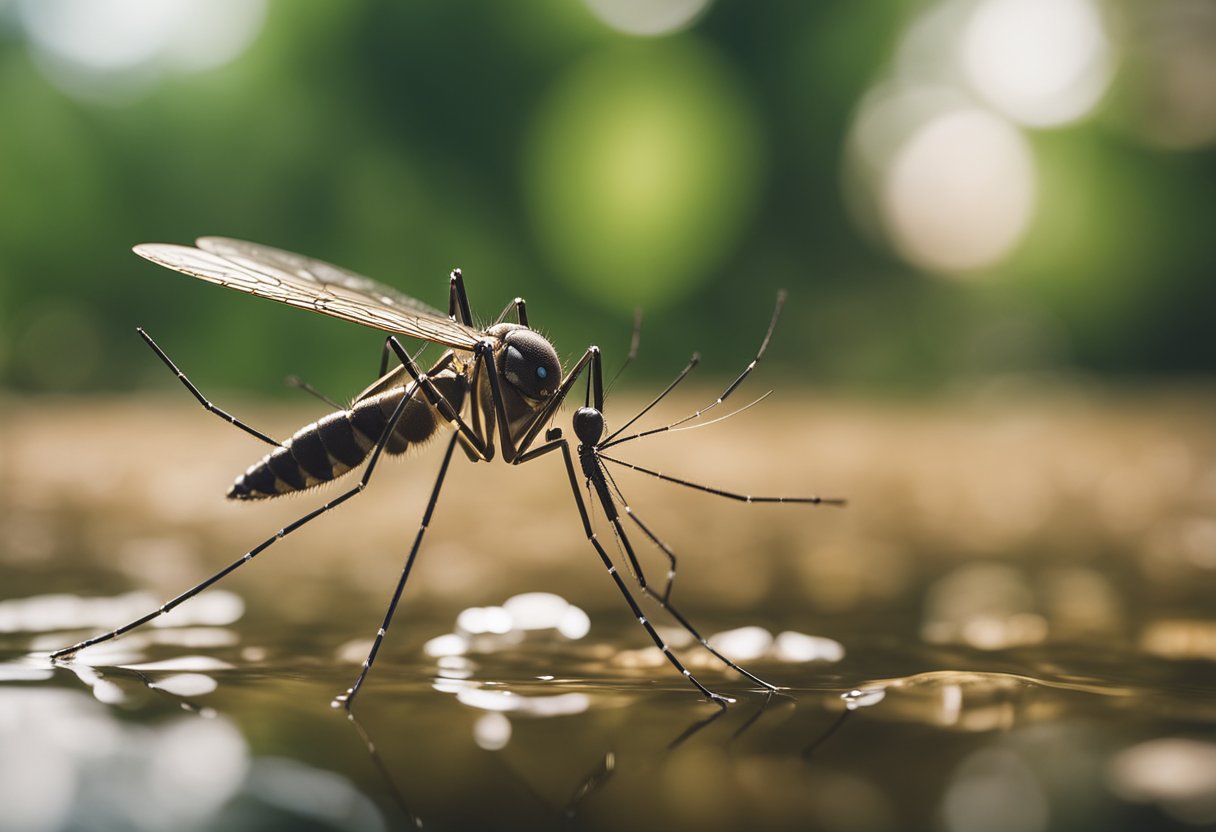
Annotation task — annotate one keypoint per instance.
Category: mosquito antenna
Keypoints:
(722, 418)
(772, 325)
(688, 368)
(634, 341)
(725, 416)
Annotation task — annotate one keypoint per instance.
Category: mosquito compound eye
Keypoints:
(529, 364)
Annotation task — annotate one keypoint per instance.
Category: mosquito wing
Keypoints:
(310, 284)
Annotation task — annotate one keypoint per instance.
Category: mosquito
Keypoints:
(502, 382)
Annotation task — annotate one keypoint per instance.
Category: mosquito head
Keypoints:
(588, 425)
(530, 364)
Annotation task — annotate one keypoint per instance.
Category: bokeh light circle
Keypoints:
(647, 17)
(642, 171)
(952, 187)
(959, 193)
(1040, 62)
(114, 48)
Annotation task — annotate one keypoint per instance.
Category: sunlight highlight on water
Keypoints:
(67, 763)
(1177, 773)
(61, 611)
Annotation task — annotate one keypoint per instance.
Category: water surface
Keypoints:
(1009, 628)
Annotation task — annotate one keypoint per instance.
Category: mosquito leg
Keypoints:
(634, 342)
(564, 447)
(458, 300)
(663, 599)
(667, 550)
(346, 700)
(194, 391)
(472, 439)
(521, 312)
(730, 495)
(688, 368)
(515, 448)
(385, 351)
(768, 335)
(300, 384)
(66, 652)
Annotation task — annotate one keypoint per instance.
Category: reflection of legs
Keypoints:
(347, 698)
(564, 446)
(194, 391)
(255, 551)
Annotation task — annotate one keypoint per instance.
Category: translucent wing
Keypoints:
(310, 284)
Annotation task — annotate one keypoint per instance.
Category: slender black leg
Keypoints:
(519, 307)
(345, 700)
(300, 384)
(515, 448)
(663, 600)
(385, 352)
(255, 551)
(564, 447)
(194, 391)
(458, 300)
(730, 495)
(635, 341)
(472, 439)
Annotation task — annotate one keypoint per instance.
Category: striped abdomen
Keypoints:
(331, 446)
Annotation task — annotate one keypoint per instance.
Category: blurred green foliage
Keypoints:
(401, 139)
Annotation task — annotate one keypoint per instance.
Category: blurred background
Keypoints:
(995, 220)
(952, 191)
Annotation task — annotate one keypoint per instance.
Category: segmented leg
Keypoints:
(663, 599)
(345, 700)
(252, 553)
(194, 391)
(564, 447)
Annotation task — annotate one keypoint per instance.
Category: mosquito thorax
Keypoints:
(588, 425)
(528, 361)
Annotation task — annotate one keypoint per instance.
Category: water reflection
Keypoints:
(1012, 630)
(994, 790)
(582, 752)
(66, 762)
(1177, 773)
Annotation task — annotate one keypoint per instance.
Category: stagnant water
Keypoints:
(1009, 628)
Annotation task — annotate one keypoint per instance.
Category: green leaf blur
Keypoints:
(691, 174)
